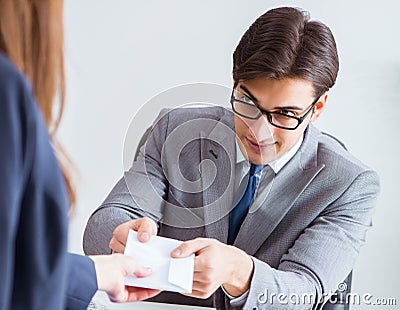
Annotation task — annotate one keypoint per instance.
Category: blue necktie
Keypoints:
(238, 213)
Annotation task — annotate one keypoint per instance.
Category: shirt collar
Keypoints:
(278, 163)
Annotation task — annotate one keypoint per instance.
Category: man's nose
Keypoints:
(262, 128)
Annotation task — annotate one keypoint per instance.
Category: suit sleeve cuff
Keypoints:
(236, 301)
(82, 281)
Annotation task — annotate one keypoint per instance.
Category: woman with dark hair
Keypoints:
(35, 268)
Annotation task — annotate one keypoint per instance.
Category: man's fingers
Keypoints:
(116, 246)
(189, 247)
(145, 228)
(142, 224)
(121, 232)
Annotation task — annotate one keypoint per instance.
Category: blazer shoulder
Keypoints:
(196, 118)
(16, 94)
(10, 77)
(334, 155)
(181, 114)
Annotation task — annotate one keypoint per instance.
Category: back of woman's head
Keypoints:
(285, 43)
(31, 36)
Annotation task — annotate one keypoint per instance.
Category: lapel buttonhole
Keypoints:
(214, 154)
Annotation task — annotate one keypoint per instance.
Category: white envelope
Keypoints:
(169, 274)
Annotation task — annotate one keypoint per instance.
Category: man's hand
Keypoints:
(217, 264)
(145, 227)
(110, 272)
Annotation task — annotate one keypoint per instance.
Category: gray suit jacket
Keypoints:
(304, 235)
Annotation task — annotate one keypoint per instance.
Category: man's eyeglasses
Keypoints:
(285, 119)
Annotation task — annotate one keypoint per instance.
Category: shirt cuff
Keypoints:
(236, 301)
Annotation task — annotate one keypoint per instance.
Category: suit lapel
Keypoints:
(273, 204)
(217, 174)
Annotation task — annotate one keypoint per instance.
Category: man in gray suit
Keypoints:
(273, 209)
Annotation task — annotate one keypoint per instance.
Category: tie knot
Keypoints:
(254, 169)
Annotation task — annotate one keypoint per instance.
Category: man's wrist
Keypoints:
(241, 275)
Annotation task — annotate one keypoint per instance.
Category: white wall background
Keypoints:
(119, 54)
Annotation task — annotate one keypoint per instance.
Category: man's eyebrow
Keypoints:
(290, 107)
(251, 96)
(255, 100)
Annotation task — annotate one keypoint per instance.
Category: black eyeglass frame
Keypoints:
(269, 114)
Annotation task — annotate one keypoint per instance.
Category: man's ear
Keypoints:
(319, 107)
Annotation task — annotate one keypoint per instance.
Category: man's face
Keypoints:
(260, 141)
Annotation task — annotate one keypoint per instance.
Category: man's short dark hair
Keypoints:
(285, 43)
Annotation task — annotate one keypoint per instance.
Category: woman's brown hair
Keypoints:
(31, 36)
